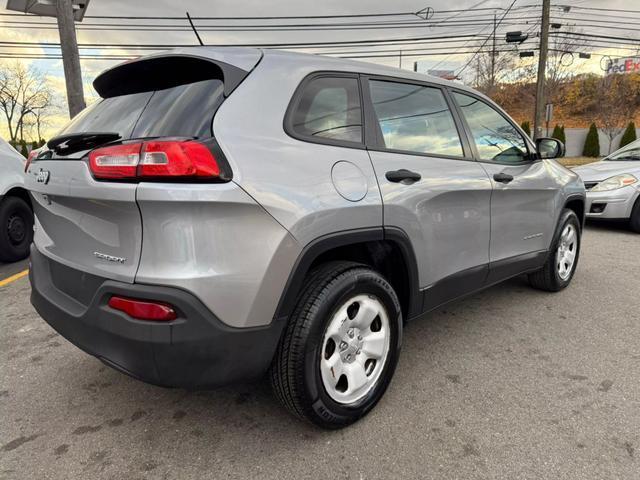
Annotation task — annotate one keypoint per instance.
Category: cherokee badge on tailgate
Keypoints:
(109, 258)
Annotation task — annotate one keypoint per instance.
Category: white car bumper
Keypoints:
(612, 204)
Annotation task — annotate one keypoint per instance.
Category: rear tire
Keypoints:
(16, 229)
(315, 374)
(562, 260)
(634, 220)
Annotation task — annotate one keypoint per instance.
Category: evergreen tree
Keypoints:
(629, 135)
(563, 136)
(557, 132)
(23, 149)
(592, 143)
(526, 126)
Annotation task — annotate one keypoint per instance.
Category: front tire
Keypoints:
(16, 229)
(634, 221)
(341, 345)
(562, 260)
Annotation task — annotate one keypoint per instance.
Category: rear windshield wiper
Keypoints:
(76, 142)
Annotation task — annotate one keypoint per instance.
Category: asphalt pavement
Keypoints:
(511, 383)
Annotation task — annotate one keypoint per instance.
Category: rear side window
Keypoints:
(496, 139)
(182, 111)
(414, 118)
(328, 109)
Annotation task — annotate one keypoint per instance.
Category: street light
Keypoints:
(67, 12)
(516, 37)
(48, 8)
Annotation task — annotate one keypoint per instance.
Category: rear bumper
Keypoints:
(195, 350)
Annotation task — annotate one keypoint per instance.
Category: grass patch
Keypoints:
(575, 161)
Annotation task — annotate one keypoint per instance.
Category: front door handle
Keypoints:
(503, 177)
(403, 176)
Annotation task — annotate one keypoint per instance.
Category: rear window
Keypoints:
(182, 111)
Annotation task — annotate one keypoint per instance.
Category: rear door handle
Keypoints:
(402, 176)
(503, 177)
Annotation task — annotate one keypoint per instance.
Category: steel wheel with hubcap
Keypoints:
(355, 349)
(340, 347)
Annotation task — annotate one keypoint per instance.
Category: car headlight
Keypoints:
(615, 182)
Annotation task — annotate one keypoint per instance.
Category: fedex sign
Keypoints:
(623, 65)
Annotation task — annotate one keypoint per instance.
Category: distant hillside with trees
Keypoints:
(579, 101)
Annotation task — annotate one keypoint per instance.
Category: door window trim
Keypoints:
(531, 152)
(295, 101)
(375, 141)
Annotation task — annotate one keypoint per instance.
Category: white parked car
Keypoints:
(613, 186)
(16, 215)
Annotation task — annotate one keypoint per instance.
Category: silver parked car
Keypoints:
(222, 213)
(16, 216)
(613, 186)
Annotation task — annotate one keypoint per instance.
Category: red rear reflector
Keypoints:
(143, 309)
(154, 159)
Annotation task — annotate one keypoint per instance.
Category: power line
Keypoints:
(600, 9)
(487, 39)
(593, 35)
(35, 56)
(265, 28)
(413, 21)
(32, 45)
(325, 44)
(281, 17)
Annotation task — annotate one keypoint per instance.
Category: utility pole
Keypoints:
(70, 57)
(493, 55)
(542, 66)
(67, 12)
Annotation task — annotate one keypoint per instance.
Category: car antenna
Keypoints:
(194, 29)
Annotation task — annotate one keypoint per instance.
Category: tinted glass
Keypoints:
(415, 118)
(185, 110)
(329, 108)
(496, 139)
(116, 114)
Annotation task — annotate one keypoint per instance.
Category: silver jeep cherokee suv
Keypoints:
(221, 213)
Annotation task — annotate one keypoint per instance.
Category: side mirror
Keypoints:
(549, 148)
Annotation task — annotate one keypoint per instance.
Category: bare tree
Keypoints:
(617, 103)
(25, 98)
(562, 62)
(491, 69)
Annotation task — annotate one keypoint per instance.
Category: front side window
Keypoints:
(496, 139)
(414, 118)
(329, 108)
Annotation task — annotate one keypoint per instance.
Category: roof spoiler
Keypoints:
(165, 71)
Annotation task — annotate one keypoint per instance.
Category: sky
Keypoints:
(583, 17)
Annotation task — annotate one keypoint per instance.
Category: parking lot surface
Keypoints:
(511, 383)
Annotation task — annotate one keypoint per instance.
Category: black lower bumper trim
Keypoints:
(196, 350)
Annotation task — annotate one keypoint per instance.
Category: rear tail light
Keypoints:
(144, 309)
(118, 161)
(32, 154)
(160, 160)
